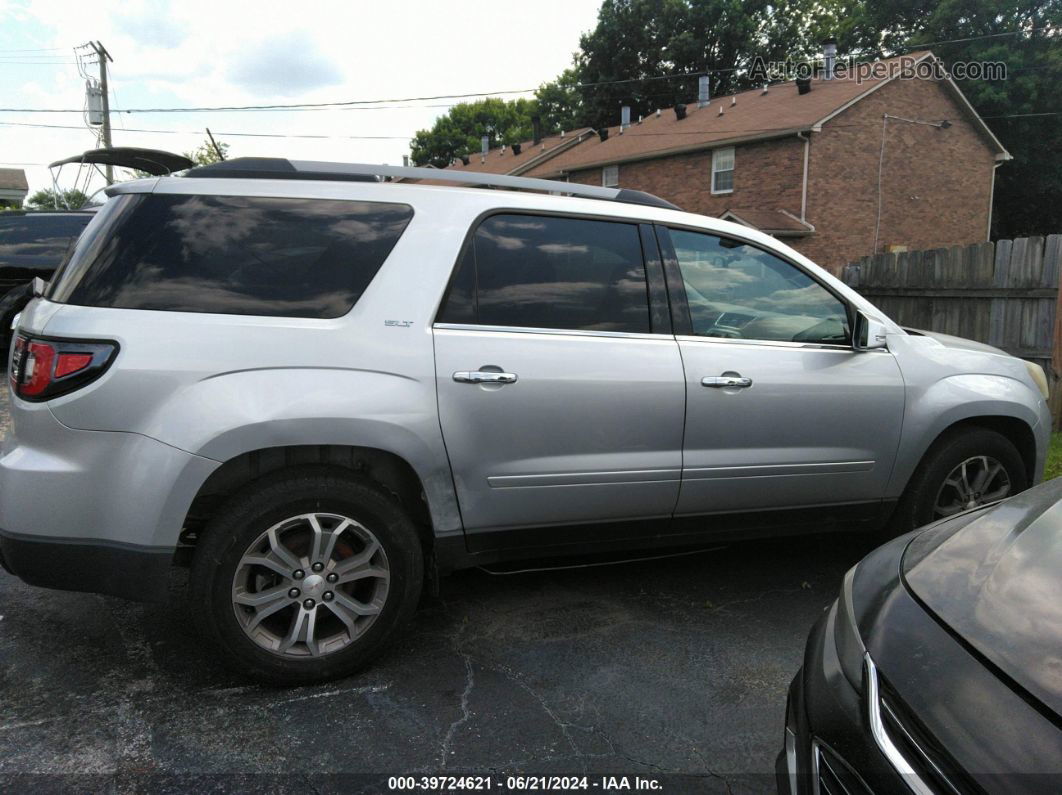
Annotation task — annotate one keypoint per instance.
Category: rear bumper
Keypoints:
(78, 565)
(92, 510)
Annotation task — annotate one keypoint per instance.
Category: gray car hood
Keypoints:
(948, 341)
(995, 578)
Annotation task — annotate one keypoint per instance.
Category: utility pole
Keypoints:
(103, 57)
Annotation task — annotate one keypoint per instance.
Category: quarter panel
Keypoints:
(221, 385)
(118, 488)
(948, 385)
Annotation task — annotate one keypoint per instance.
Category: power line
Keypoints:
(348, 103)
(631, 131)
(216, 132)
(38, 49)
(920, 45)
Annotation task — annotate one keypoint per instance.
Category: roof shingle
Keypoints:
(503, 160)
(770, 221)
(746, 115)
(13, 179)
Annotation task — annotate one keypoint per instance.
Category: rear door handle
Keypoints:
(726, 381)
(483, 377)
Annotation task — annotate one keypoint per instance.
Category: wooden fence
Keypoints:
(1004, 293)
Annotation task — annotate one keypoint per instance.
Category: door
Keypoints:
(781, 411)
(561, 392)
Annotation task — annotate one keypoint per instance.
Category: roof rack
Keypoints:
(282, 168)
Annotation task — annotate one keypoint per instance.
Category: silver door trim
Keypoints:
(726, 382)
(798, 346)
(775, 470)
(584, 478)
(484, 377)
(551, 331)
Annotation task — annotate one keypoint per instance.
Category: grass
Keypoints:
(1054, 457)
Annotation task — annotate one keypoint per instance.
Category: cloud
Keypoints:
(153, 26)
(284, 66)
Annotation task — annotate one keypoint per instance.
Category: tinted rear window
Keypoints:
(551, 272)
(38, 241)
(231, 254)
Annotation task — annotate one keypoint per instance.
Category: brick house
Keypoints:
(808, 167)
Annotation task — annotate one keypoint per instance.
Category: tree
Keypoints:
(640, 50)
(46, 199)
(458, 132)
(205, 154)
(560, 103)
(1028, 198)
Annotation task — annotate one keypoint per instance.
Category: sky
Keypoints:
(196, 53)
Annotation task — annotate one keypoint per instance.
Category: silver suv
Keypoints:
(319, 390)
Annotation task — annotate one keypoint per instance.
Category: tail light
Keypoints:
(43, 368)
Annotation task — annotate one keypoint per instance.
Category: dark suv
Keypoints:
(32, 244)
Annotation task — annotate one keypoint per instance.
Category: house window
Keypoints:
(723, 170)
(610, 176)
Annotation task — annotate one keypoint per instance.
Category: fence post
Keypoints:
(999, 279)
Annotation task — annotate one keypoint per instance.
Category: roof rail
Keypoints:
(282, 168)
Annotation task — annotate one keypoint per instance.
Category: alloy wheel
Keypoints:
(976, 481)
(310, 585)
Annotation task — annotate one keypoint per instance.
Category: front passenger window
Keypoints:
(739, 291)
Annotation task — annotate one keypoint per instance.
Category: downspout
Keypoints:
(804, 187)
(881, 167)
(991, 197)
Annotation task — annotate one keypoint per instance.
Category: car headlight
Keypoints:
(1039, 377)
(850, 649)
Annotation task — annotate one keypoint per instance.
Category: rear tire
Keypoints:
(305, 576)
(994, 469)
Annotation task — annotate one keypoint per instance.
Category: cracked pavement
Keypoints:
(676, 665)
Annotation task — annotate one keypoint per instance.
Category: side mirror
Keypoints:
(38, 286)
(869, 332)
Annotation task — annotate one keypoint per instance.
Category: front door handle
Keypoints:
(484, 377)
(726, 382)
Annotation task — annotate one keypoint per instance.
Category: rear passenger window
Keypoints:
(548, 272)
(231, 254)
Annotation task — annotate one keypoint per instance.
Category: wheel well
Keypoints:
(384, 468)
(1017, 431)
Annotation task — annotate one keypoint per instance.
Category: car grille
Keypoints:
(832, 775)
(918, 747)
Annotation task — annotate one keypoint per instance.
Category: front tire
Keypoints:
(305, 576)
(965, 468)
